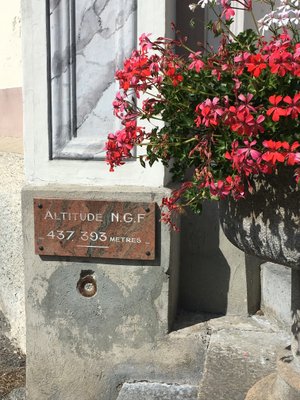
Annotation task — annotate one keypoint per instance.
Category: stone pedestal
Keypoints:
(285, 383)
(282, 385)
(276, 293)
(85, 347)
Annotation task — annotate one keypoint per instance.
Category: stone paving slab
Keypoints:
(157, 391)
(240, 352)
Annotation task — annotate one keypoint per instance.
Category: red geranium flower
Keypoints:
(275, 111)
(256, 64)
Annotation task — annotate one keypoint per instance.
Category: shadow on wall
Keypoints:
(205, 273)
(194, 34)
(215, 277)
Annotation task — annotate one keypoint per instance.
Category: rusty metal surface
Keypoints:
(89, 228)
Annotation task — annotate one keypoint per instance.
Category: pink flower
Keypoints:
(196, 64)
(245, 159)
(209, 112)
(145, 42)
(249, 151)
(221, 189)
(246, 100)
(228, 11)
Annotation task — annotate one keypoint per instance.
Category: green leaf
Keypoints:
(143, 164)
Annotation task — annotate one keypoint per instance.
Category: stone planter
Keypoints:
(267, 222)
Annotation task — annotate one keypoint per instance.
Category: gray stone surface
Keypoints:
(157, 391)
(12, 303)
(240, 352)
(16, 394)
(276, 293)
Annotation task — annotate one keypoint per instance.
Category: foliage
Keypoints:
(229, 114)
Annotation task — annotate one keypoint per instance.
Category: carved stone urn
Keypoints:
(267, 224)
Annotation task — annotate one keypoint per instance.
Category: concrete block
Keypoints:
(161, 391)
(85, 348)
(276, 293)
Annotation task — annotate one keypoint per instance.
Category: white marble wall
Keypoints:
(153, 16)
(89, 40)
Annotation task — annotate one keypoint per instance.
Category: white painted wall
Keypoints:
(12, 302)
(10, 44)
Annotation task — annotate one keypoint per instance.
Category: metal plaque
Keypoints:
(89, 228)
